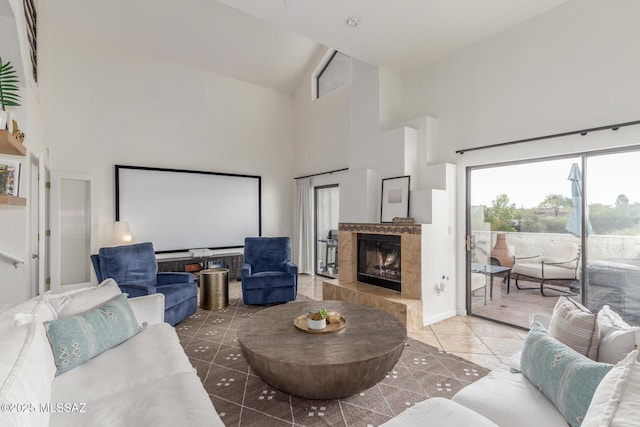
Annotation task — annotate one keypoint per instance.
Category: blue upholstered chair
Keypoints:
(268, 275)
(135, 270)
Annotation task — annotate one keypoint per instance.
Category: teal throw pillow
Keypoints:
(567, 378)
(77, 339)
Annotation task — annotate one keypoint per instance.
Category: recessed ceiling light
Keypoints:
(352, 21)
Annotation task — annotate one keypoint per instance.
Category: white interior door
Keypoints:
(44, 276)
(38, 220)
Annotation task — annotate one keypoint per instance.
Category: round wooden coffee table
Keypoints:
(322, 366)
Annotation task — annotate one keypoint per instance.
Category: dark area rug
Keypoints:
(243, 399)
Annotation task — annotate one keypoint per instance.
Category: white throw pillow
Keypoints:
(27, 368)
(616, 401)
(617, 338)
(576, 326)
(74, 303)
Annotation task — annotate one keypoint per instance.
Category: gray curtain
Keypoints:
(302, 250)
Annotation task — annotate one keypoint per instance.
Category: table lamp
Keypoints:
(122, 233)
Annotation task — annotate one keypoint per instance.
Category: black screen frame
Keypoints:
(118, 183)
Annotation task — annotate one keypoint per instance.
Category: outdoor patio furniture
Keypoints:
(490, 271)
(331, 247)
(479, 281)
(562, 266)
(615, 282)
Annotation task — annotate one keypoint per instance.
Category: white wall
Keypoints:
(574, 67)
(438, 247)
(320, 127)
(571, 68)
(323, 128)
(107, 105)
(15, 226)
(390, 89)
(13, 240)
(364, 100)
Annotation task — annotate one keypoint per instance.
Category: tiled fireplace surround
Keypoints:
(405, 305)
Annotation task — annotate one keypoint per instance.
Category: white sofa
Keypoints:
(506, 398)
(502, 398)
(146, 380)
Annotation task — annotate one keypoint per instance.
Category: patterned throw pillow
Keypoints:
(576, 326)
(566, 378)
(77, 339)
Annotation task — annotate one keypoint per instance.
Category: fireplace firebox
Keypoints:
(379, 260)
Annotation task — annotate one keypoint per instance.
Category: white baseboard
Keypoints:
(442, 316)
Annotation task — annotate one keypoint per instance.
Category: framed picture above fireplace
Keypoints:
(394, 198)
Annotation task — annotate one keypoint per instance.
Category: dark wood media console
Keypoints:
(232, 261)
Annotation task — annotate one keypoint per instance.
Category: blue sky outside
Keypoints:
(527, 184)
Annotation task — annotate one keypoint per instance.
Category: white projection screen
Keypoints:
(178, 210)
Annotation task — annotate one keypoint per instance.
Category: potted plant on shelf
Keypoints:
(317, 319)
(9, 96)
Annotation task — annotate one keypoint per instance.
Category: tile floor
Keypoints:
(477, 340)
(514, 307)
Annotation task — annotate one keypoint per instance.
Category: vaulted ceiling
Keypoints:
(271, 42)
(401, 35)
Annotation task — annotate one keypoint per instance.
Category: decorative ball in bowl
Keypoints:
(317, 319)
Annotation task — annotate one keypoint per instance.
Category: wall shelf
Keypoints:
(10, 145)
(6, 199)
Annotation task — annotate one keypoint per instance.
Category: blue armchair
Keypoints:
(268, 275)
(135, 270)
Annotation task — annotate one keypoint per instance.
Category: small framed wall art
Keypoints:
(9, 177)
(394, 198)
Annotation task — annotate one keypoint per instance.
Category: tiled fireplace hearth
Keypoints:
(405, 304)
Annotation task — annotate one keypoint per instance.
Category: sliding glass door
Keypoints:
(613, 247)
(519, 211)
(326, 230)
(562, 226)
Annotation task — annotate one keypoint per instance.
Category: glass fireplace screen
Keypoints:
(379, 258)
